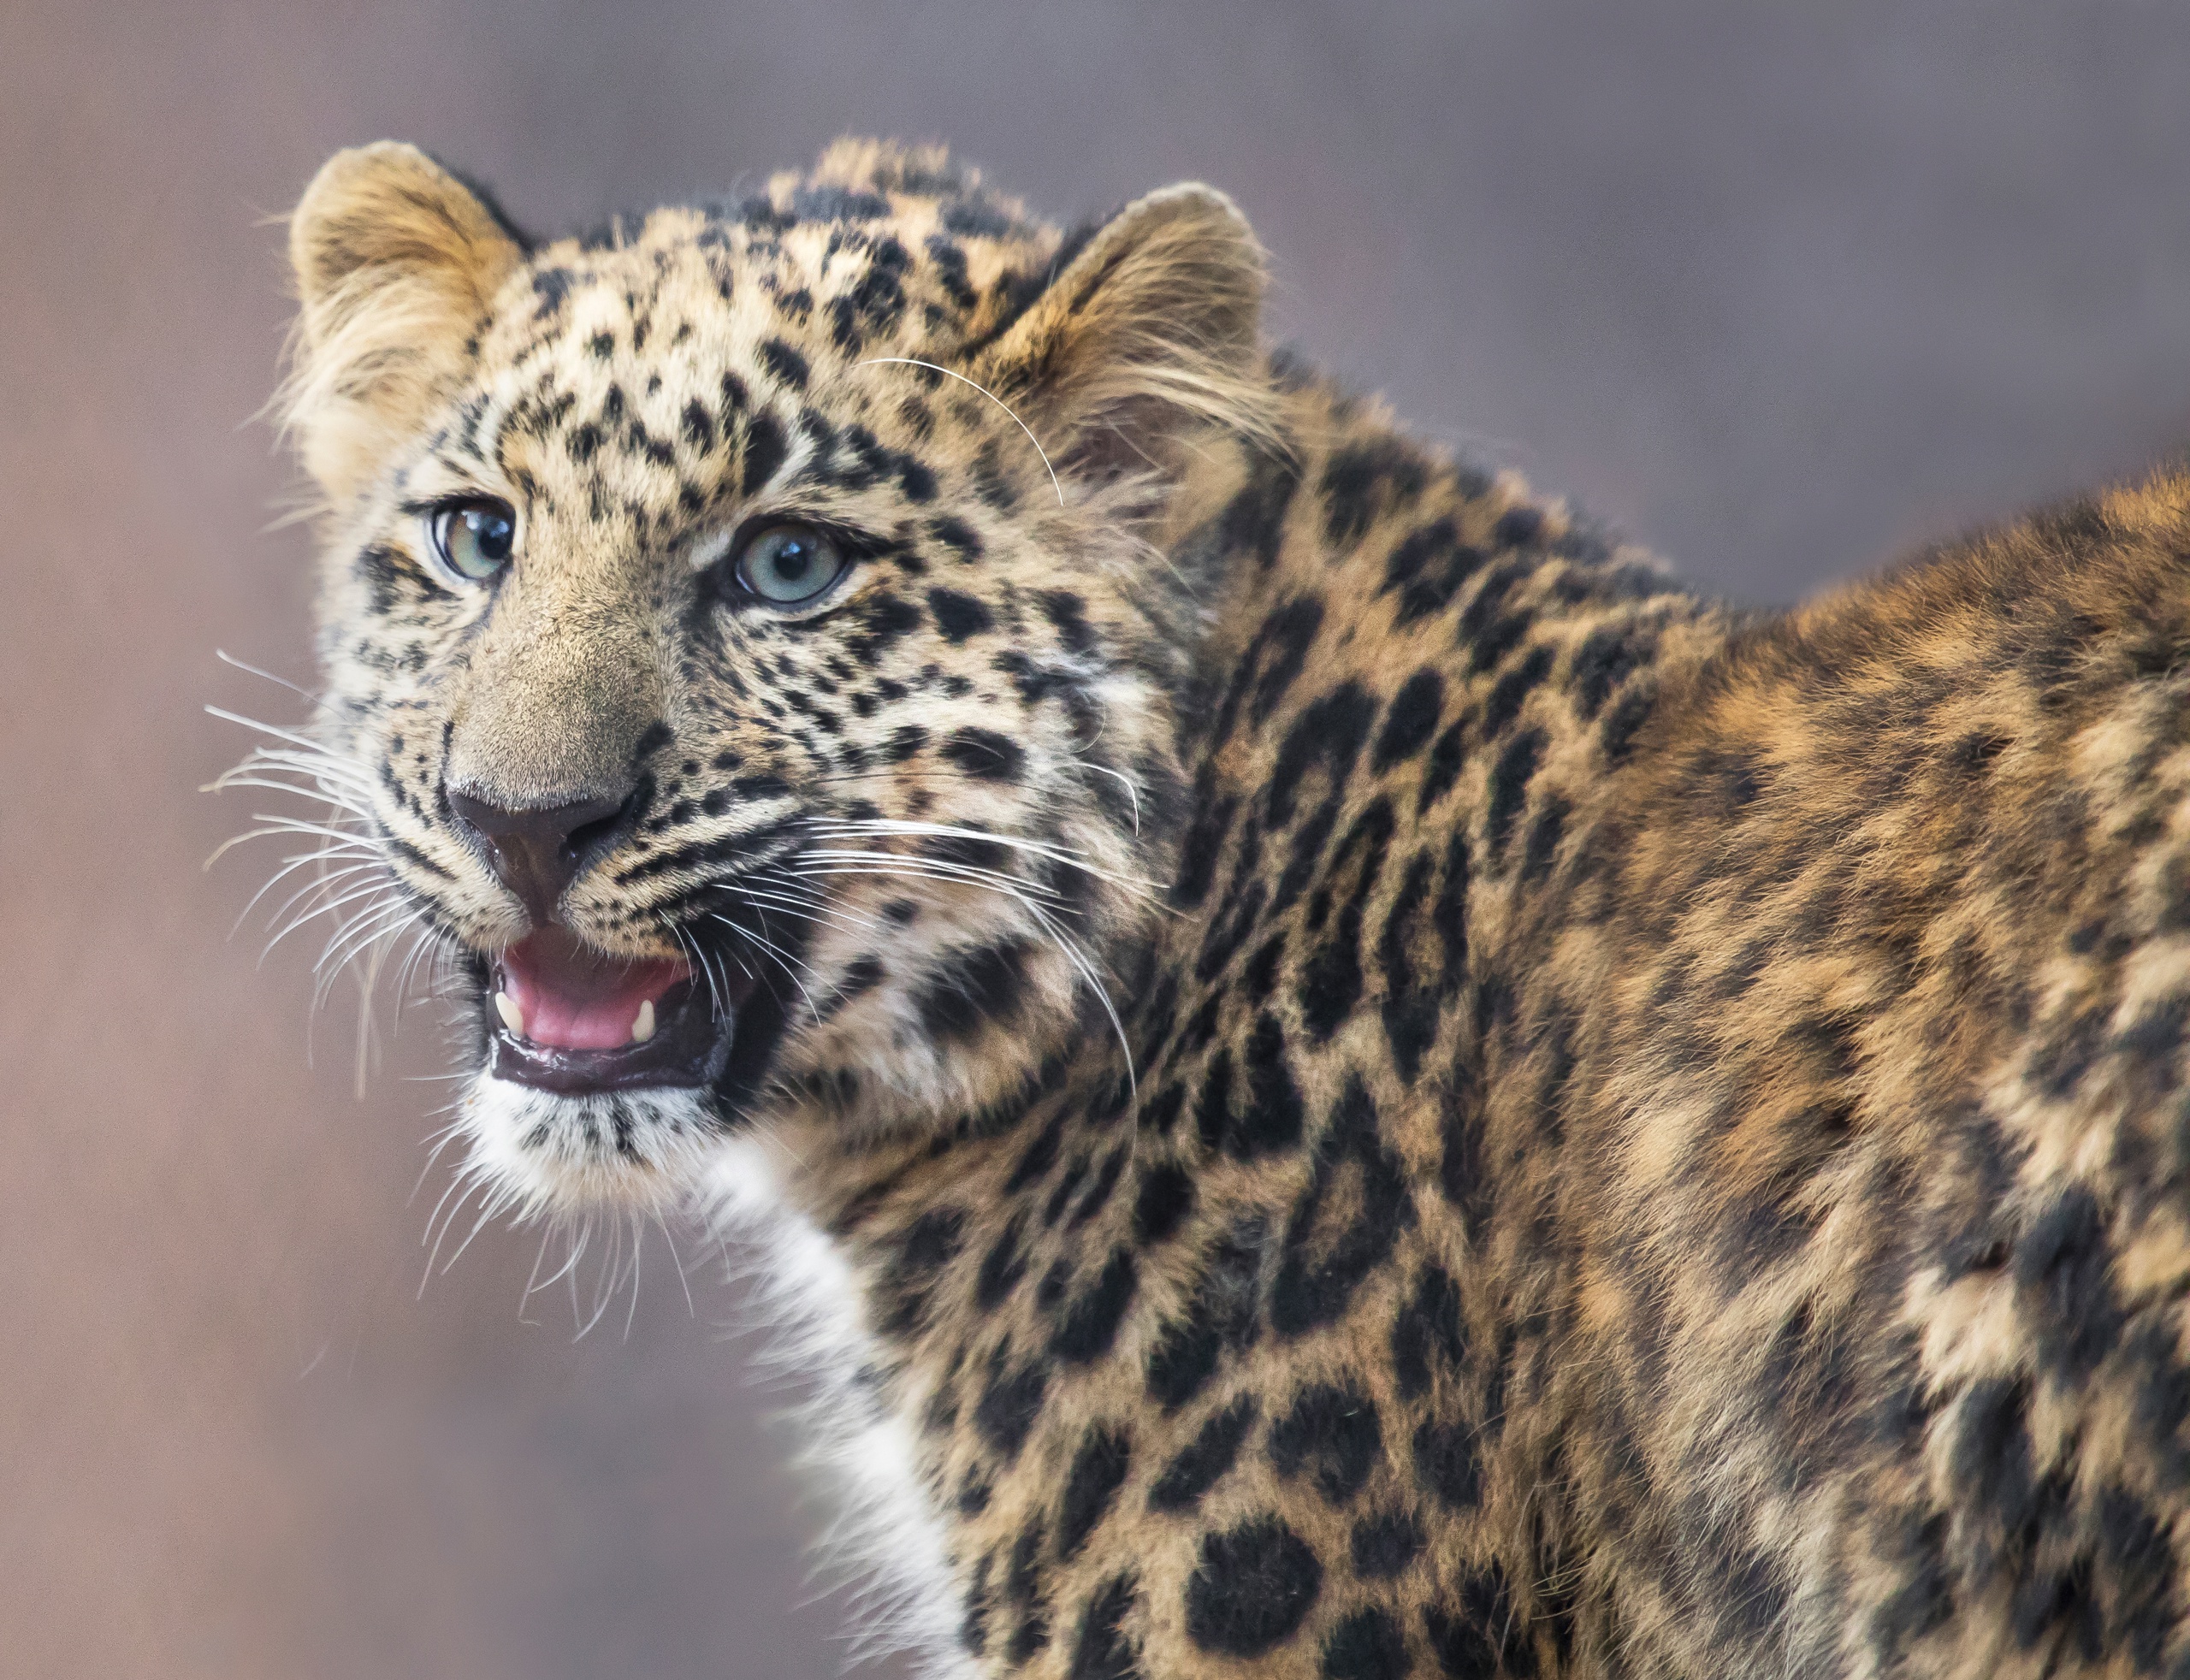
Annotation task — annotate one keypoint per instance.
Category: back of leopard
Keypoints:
(1336, 1078)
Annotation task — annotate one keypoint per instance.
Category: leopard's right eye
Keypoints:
(473, 539)
(788, 564)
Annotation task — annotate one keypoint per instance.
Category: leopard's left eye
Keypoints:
(788, 565)
(473, 539)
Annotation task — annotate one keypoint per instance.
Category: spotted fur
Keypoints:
(1406, 1096)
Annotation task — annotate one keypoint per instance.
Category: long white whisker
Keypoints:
(573, 1250)
(1133, 790)
(318, 793)
(933, 868)
(350, 896)
(296, 738)
(460, 1186)
(524, 1299)
(441, 1140)
(318, 882)
(323, 783)
(914, 361)
(425, 947)
(493, 1205)
(298, 757)
(601, 1294)
(1068, 947)
(699, 962)
(358, 936)
(1085, 966)
(280, 826)
(783, 961)
(351, 865)
(832, 829)
(677, 1261)
(811, 909)
(227, 658)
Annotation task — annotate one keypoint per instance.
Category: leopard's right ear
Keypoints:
(1148, 334)
(396, 261)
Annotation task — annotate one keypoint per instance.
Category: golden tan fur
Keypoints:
(1635, 1139)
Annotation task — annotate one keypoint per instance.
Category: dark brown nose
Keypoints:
(539, 853)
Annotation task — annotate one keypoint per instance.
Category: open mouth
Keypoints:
(564, 1018)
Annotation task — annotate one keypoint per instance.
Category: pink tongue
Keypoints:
(573, 999)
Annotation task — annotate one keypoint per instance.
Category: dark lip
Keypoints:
(719, 1040)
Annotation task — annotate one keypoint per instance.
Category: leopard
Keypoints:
(1325, 1071)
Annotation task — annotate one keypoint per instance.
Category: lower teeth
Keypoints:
(642, 1025)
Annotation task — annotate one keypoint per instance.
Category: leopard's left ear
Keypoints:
(395, 262)
(1147, 336)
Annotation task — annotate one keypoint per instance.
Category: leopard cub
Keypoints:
(1336, 1076)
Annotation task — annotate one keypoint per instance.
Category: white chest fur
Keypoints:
(886, 1537)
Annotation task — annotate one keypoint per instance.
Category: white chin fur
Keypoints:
(545, 1153)
(645, 1150)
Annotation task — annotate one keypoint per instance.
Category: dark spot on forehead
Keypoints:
(916, 479)
(959, 616)
(699, 426)
(957, 535)
(763, 452)
(950, 260)
(787, 364)
(551, 287)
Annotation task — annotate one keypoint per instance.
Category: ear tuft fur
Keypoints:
(1148, 336)
(395, 262)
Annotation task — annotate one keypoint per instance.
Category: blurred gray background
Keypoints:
(1782, 290)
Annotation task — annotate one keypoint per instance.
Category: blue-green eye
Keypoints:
(786, 564)
(473, 539)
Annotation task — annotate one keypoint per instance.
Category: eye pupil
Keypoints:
(491, 532)
(475, 539)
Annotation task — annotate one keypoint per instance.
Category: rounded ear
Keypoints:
(1147, 335)
(395, 262)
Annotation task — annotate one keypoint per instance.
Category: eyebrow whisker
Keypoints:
(915, 362)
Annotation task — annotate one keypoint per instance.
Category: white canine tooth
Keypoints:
(512, 1017)
(642, 1024)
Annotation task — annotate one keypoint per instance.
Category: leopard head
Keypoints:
(758, 635)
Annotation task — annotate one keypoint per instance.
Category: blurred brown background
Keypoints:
(1781, 294)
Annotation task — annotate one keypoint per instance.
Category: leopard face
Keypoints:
(746, 627)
